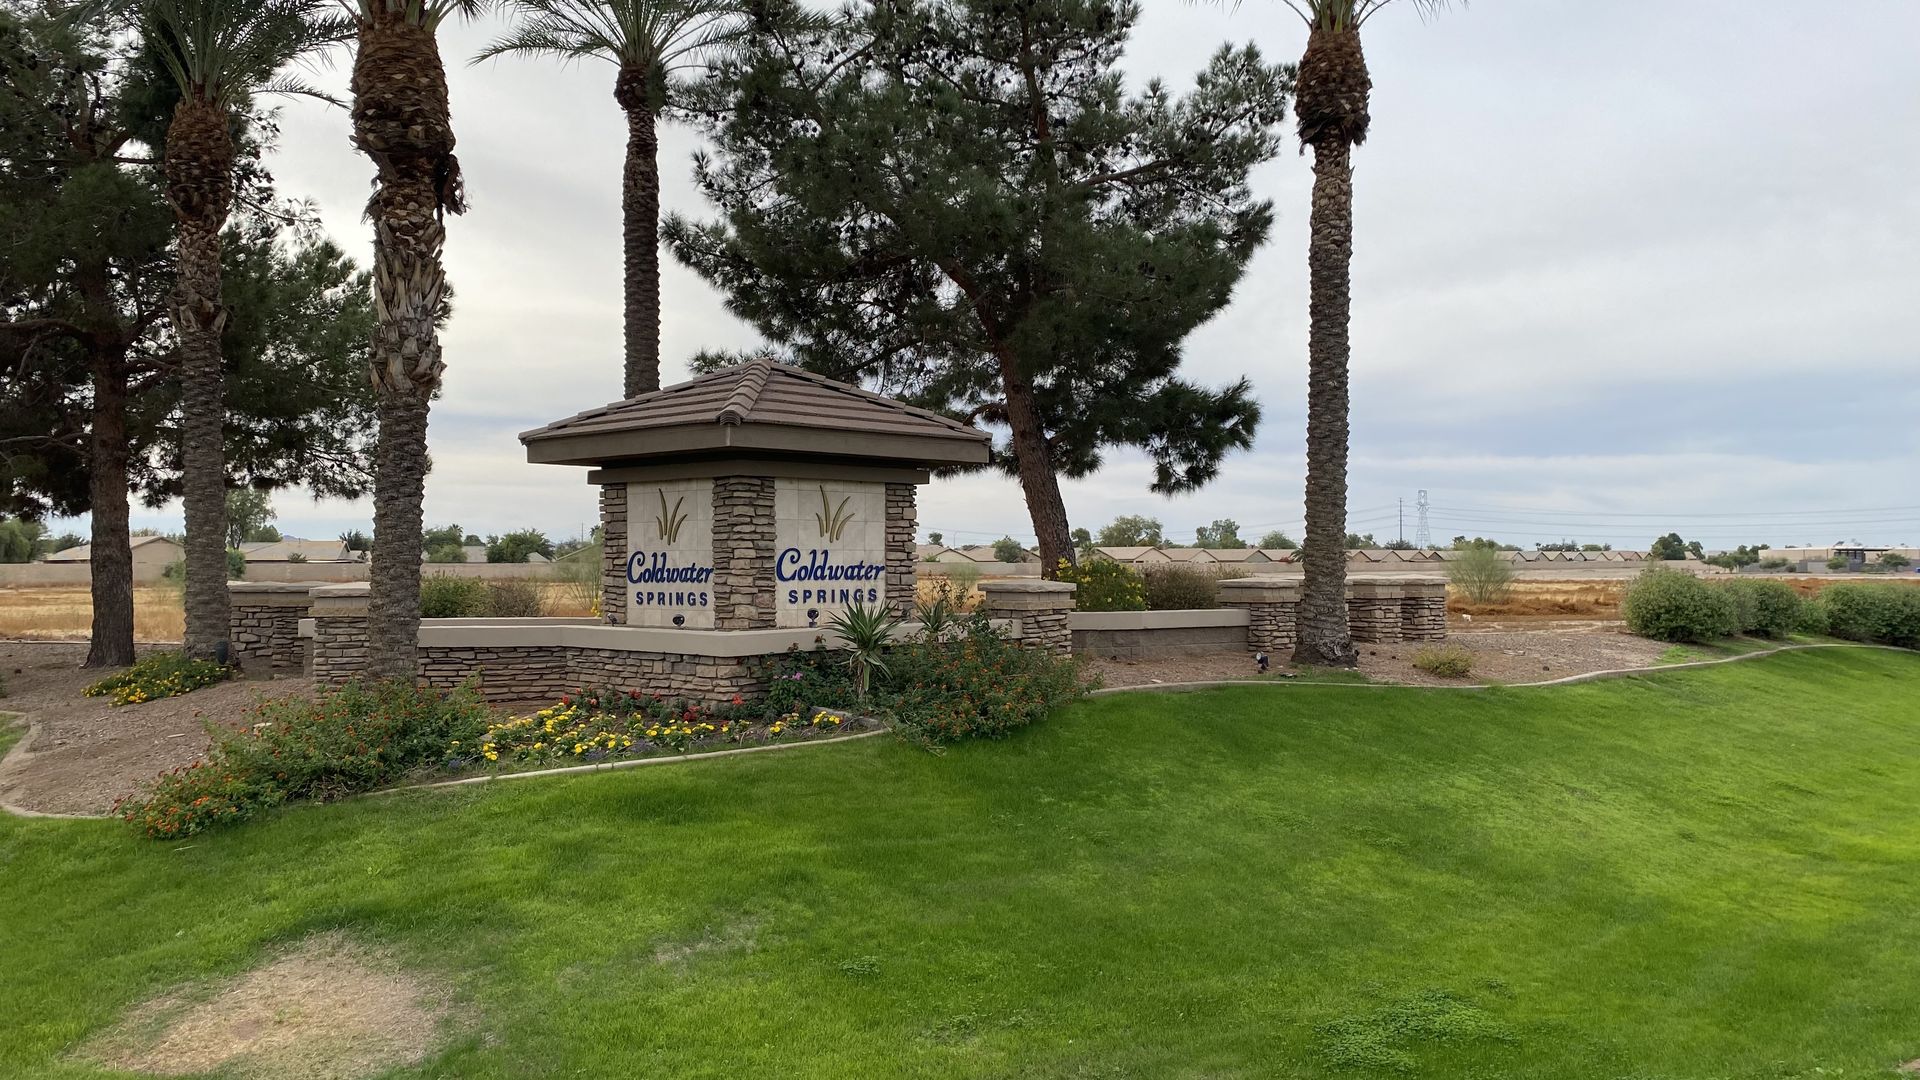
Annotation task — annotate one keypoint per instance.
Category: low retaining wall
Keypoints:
(265, 623)
(1158, 633)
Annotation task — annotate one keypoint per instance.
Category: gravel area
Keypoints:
(1498, 657)
(85, 753)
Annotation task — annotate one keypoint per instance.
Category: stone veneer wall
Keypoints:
(902, 521)
(743, 552)
(1038, 610)
(1423, 614)
(506, 674)
(265, 623)
(1373, 612)
(1273, 611)
(531, 672)
(339, 648)
(613, 556)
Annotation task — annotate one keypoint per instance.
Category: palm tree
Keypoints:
(1330, 107)
(401, 121)
(648, 41)
(219, 54)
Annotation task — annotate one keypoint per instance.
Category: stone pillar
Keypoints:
(1373, 610)
(265, 622)
(613, 553)
(1273, 609)
(1423, 610)
(743, 552)
(339, 632)
(1038, 609)
(902, 523)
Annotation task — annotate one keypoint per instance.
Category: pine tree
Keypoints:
(958, 204)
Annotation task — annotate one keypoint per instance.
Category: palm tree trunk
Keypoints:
(1034, 462)
(111, 561)
(199, 166)
(401, 121)
(1323, 635)
(640, 217)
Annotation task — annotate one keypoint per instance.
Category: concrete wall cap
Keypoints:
(351, 588)
(1035, 585)
(301, 587)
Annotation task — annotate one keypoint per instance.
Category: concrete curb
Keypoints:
(632, 763)
(1587, 676)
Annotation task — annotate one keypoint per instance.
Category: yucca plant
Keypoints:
(937, 616)
(867, 632)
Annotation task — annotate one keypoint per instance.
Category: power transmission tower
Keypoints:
(1421, 538)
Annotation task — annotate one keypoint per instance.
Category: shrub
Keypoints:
(443, 596)
(1182, 588)
(1885, 614)
(1446, 661)
(980, 686)
(175, 572)
(1837, 563)
(1774, 564)
(1673, 605)
(579, 578)
(1105, 585)
(867, 632)
(1482, 575)
(446, 553)
(514, 599)
(1766, 608)
(964, 576)
(356, 738)
(158, 675)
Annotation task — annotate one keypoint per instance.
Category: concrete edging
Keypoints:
(1567, 680)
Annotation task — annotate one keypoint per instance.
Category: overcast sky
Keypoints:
(1621, 268)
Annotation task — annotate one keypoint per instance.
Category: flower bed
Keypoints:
(158, 675)
(604, 724)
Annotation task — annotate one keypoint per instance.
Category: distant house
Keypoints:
(1239, 555)
(1132, 555)
(984, 553)
(1191, 556)
(308, 551)
(1281, 555)
(931, 552)
(151, 554)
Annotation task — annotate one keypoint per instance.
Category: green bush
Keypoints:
(176, 571)
(355, 738)
(1766, 608)
(443, 596)
(1884, 614)
(446, 553)
(1837, 563)
(1673, 605)
(158, 675)
(1481, 575)
(979, 686)
(1182, 588)
(1105, 585)
(514, 599)
(1446, 661)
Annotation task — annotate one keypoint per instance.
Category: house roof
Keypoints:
(1238, 554)
(310, 550)
(84, 553)
(1189, 554)
(760, 407)
(985, 553)
(1123, 554)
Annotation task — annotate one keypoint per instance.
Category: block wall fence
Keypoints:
(323, 630)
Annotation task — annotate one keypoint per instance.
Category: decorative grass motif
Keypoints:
(833, 519)
(670, 521)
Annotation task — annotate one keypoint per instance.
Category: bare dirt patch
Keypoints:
(1498, 657)
(328, 1009)
(84, 753)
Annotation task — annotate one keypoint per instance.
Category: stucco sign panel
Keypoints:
(670, 554)
(830, 548)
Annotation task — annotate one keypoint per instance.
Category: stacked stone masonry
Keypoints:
(339, 648)
(743, 552)
(1374, 618)
(265, 626)
(533, 673)
(902, 522)
(1038, 609)
(1424, 618)
(613, 558)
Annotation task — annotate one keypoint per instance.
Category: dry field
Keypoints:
(65, 612)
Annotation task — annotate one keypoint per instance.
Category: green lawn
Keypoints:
(1699, 874)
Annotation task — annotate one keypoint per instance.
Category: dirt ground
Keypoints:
(328, 1009)
(1533, 655)
(86, 753)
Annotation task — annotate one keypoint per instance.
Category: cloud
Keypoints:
(1613, 258)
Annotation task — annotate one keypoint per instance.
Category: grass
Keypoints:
(1700, 874)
